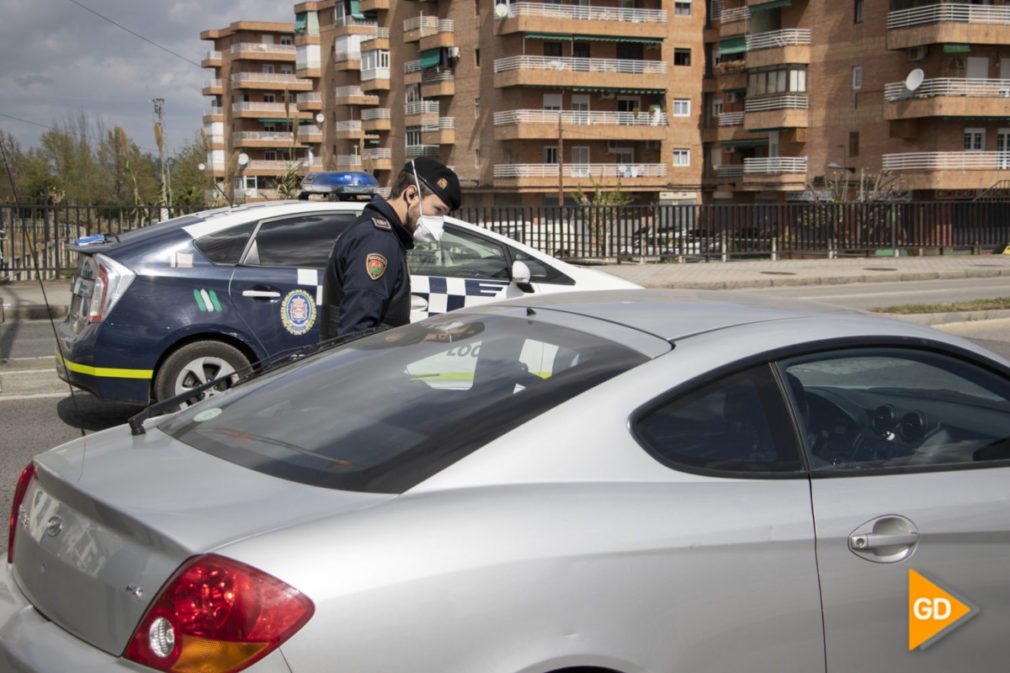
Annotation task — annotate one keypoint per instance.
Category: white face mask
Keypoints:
(429, 228)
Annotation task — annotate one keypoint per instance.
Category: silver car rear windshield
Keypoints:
(385, 412)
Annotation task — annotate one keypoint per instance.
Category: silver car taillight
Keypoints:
(111, 280)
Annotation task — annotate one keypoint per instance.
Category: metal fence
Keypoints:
(38, 235)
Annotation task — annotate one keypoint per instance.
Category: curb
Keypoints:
(35, 312)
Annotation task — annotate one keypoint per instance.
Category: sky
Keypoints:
(58, 60)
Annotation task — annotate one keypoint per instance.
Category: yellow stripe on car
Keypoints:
(108, 372)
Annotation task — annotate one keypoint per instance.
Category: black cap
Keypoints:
(438, 178)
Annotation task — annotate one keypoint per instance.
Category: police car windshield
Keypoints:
(385, 412)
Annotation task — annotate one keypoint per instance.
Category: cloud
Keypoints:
(61, 61)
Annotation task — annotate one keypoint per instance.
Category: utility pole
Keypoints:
(159, 137)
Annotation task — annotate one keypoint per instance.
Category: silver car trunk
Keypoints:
(93, 563)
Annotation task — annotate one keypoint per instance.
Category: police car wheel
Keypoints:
(195, 364)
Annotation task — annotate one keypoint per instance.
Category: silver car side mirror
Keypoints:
(521, 276)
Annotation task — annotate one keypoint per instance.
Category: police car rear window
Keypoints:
(385, 412)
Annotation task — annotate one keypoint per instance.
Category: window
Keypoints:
(552, 101)
(413, 135)
(552, 49)
(476, 107)
(974, 140)
(784, 79)
(854, 143)
(269, 128)
(269, 98)
(476, 57)
(270, 155)
(736, 424)
(857, 77)
(287, 69)
(857, 11)
(682, 57)
(887, 408)
(286, 40)
(225, 246)
(682, 7)
(681, 107)
(267, 69)
(459, 254)
(304, 241)
(540, 272)
(551, 155)
(375, 59)
(681, 157)
(476, 159)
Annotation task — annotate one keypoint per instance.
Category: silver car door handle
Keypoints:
(261, 294)
(877, 540)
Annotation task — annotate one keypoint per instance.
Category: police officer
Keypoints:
(367, 283)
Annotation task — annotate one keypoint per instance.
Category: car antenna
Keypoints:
(45, 297)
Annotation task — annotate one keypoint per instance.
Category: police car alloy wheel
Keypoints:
(195, 364)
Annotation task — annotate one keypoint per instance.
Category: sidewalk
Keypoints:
(24, 300)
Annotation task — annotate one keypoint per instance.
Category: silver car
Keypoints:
(616, 482)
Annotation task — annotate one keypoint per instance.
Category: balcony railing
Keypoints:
(734, 14)
(309, 97)
(730, 171)
(428, 25)
(349, 159)
(731, 119)
(348, 126)
(579, 118)
(947, 161)
(212, 83)
(369, 74)
(586, 12)
(623, 66)
(444, 124)
(954, 12)
(348, 92)
(212, 56)
(262, 48)
(267, 78)
(348, 20)
(950, 86)
(431, 76)
(212, 111)
(775, 165)
(374, 113)
(268, 108)
(421, 107)
(262, 136)
(786, 37)
(422, 150)
(276, 164)
(791, 101)
(379, 153)
(412, 66)
(341, 56)
(580, 170)
(309, 131)
(380, 33)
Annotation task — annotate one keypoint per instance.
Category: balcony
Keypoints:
(348, 162)
(422, 150)
(734, 21)
(436, 83)
(349, 129)
(580, 175)
(269, 166)
(346, 60)
(375, 79)
(275, 110)
(774, 112)
(954, 22)
(417, 112)
(376, 119)
(373, 5)
(212, 59)
(212, 87)
(262, 139)
(729, 171)
(543, 124)
(731, 128)
(309, 100)
(354, 95)
(443, 132)
(348, 25)
(213, 114)
(262, 80)
(378, 41)
(378, 159)
(774, 172)
(261, 51)
(310, 133)
(429, 30)
(948, 170)
(948, 97)
(790, 45)
(593, 73)
(584, 20)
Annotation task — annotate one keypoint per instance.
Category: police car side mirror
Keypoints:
(521, 276)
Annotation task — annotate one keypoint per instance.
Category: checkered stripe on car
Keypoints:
(448, 294)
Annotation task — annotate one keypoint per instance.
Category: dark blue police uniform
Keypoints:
(367, 283)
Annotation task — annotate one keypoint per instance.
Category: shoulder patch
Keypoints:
(381, 223)
(375, 265)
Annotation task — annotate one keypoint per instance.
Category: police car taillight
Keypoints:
(111, 281)
(19, 495)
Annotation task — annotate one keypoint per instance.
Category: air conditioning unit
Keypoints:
(732, 97)
(453, 52)
(607, 95)
(918, 53)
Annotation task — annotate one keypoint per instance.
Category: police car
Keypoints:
(162, 309)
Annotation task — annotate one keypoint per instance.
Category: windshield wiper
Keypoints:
(247, 373)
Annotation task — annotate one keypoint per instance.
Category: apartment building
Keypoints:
(260, 117)
(801, 94)
(676, 102)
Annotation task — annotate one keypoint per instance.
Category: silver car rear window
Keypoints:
(385, 412)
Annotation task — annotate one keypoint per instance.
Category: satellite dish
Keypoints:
(202, 167)
(243, 159)
(320, 117)
(914, 79)
(501, 10)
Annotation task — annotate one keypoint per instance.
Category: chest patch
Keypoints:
(375, 265)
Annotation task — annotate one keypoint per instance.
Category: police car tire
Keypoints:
(180, 360)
